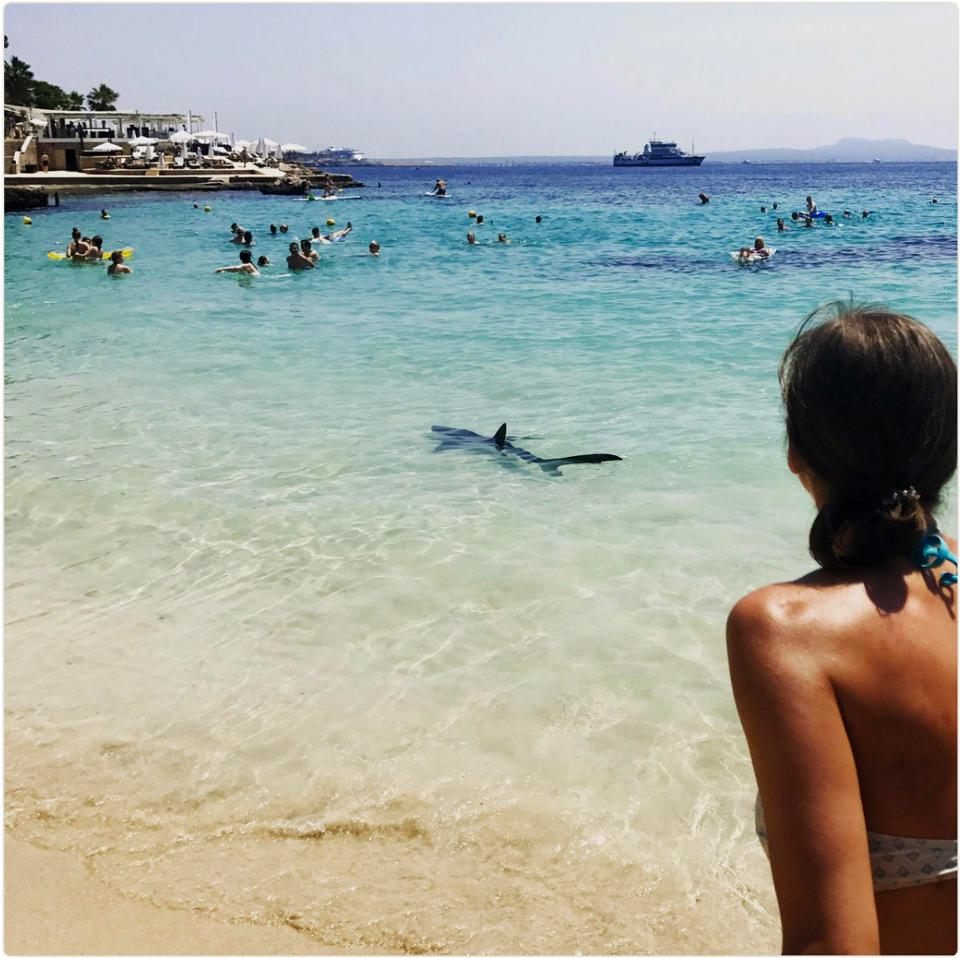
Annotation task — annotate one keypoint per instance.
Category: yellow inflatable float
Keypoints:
(127, 253)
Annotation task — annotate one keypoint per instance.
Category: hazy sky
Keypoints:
(509, 79)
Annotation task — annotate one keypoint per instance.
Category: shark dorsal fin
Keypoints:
(500, 436)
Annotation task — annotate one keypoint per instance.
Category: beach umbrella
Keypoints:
(142, 141)
(107, 147)
(181, 136)
(221, 149)
(261, 147)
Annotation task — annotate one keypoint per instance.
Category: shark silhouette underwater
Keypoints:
(499, 444)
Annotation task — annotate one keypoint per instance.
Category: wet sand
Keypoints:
(53, 906)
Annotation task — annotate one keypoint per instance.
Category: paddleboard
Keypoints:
(127, 253)
(438, 196)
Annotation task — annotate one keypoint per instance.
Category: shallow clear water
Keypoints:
(271, 656)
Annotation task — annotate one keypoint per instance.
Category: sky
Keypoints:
(502, 79)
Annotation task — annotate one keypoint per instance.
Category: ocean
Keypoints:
(273, 657)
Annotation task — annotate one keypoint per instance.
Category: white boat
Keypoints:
(658, 153)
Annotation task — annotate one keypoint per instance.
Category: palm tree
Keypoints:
(17, 82)
(73, 101)
(102, 98)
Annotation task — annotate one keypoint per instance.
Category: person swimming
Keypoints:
(479, 218)
(776, 205)
(704, 199)
(808, 221)
(246, 265)
(502, 238)
(75, 237)
(94, 250)
(781, 226)
(539, 219)
(307, 250)
(247, 238)
(471, 239)
(104, 215)
(760, 248)
(795, 216)
(763, 209)
(745, 254)
(284, 227)
(263, 261)
(828, 220)
(296, 260)
(864, 214)
(847, 213)
(273, 229)
(316, 236)
(117, 266)
(374, 248)
(340, 234)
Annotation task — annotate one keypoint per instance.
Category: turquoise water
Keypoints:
(271, 656)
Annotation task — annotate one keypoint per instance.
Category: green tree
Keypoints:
(48, 96)
(17, 82)
(73, 101)
(102, 98)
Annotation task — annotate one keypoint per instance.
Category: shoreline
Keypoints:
(53, 906)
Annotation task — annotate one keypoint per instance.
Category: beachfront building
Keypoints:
(56, 140)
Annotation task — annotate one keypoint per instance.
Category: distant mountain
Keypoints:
(848, 150)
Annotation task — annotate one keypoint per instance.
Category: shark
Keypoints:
(500, 444)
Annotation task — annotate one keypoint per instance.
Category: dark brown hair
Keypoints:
(871, 411)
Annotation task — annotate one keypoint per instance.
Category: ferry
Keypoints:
(658, 153)
(336, 156)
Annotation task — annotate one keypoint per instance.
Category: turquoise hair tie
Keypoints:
(931, 552)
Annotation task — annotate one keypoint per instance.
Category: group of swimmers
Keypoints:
(89, 249)
(301, 254)
(478, 217)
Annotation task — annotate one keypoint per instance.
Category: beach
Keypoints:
(286, 676)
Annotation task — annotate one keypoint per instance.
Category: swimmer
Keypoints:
(745, 254)
(310, 253)
(246, 265)
(704, 199)
(440, 188)
(273, 229)
(781, 226)
(808, 221)
(776, 205)
(847, 214)
(763, 209)
(828, 220)
(117, 266)
(94, 250)
(74, 242)
(296, 260)
(934, 200)
(539, 219)
(317, 238)
(471, 239)
(104, 215)
(284, 227)
(864, 214)
(196, 206)
(479, 218)
(247, 238)
(233, 228)
(760, 248)
(811, 205)
(374, 248)
(339, 234)
(237, 236)
(795, 216)
(502, 238)
(263, 261)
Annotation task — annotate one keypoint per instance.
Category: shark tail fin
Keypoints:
(500, 436)
(591, 457)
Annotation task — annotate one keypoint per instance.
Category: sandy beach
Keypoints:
(53, 906)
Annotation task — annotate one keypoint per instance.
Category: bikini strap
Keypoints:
(931, 552)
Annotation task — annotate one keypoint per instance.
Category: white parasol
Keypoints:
(107, 147)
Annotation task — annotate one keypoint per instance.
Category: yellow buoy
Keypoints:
(27, 221)
(331, 221)
(208, 209)
(471, 213)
